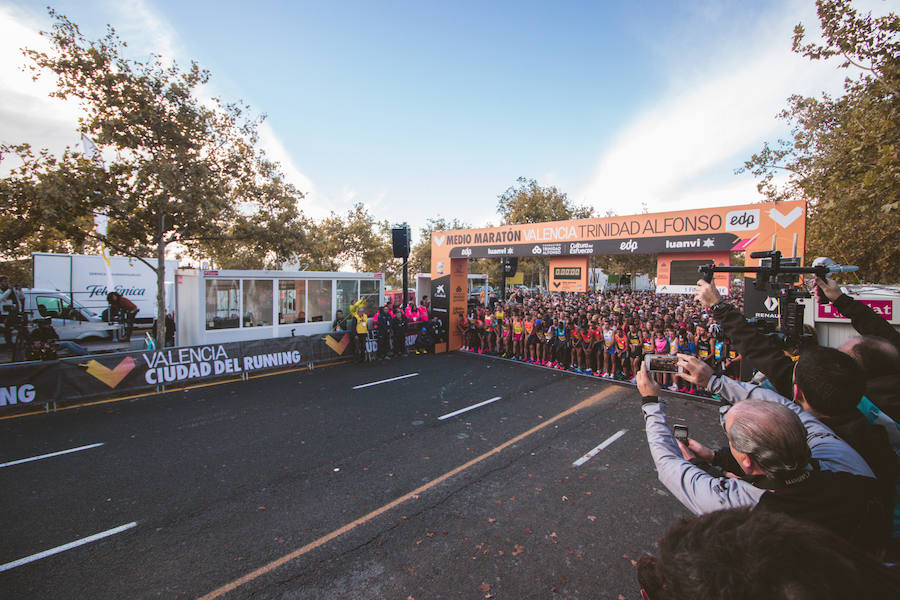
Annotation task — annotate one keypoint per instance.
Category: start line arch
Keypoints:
(681, 239)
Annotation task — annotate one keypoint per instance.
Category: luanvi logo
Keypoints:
(337, 346)
(111, 377)
(438, 239)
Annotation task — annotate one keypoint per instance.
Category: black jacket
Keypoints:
(766, 354)
(884, 389)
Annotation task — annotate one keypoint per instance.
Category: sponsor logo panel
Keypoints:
(742, 220)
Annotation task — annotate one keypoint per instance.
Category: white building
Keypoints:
(236, 305)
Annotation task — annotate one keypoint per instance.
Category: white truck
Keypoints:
(84, 278)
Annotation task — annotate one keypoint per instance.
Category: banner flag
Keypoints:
(101, 219)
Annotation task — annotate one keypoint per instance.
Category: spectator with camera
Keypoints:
(825, 382)
(783, 459)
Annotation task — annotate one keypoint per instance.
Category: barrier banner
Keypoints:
(28, 383)
(97, 375)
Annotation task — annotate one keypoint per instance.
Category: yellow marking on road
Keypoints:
(267, 568)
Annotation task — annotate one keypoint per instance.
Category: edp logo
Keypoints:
(742, 220)
(466, 252)
(630, 246)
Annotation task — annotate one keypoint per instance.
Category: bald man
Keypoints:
(783, 459)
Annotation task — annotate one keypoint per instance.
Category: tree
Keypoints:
(420, 254)
(844, 155)
(528, 202)
(186, 172)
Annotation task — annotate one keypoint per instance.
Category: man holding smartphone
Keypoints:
(785, 460)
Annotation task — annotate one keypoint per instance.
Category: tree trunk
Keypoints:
(161, 284)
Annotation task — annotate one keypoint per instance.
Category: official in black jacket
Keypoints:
(825, 382)
(877, 350)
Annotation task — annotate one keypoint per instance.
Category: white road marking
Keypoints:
(596, 450)
(356, 387)
(466, 409)
(69, 546)
(52, 454)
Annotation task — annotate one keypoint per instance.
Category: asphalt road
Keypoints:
(298, 486)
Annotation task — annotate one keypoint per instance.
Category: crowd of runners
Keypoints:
(604, 334)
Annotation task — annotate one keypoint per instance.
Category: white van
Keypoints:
(71, 320)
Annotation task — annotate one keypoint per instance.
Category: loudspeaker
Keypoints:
(510, 266)
(400, 238)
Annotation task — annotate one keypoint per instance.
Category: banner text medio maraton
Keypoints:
(593, 231)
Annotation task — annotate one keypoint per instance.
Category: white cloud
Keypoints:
(706, 127)
(145, 30)
(27, 113)
(314, 204)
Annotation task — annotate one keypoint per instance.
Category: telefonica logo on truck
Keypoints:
(100, 290)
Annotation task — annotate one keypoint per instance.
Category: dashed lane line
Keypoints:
(365, 385)
(413, 495)
(467, 409)
(51, 455)
(69, 546)
(596, 450)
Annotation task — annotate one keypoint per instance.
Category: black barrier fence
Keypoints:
(99, 375)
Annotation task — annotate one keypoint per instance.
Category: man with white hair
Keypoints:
(784, 460)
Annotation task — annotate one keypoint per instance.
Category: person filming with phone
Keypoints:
(780, 458)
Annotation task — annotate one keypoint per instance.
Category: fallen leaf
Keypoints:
(518, 550)
(528, 530)
(484, 587)
(492, 520)
(592, 518)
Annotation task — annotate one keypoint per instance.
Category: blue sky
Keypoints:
(420, 109)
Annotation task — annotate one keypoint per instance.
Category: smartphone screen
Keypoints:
(681, 433)
(662, 363)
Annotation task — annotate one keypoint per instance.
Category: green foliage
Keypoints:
(185, 172)
(627, 263)
(528, 202)
(420, 253)
(844, 155)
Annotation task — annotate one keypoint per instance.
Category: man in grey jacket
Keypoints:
(784, 460)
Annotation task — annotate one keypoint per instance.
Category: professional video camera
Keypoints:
(780, 278)
(14, 317)
(17, 323)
